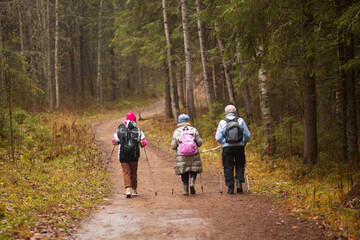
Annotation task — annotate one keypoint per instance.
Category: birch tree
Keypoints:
(270, 147)
(189, 88)
(56, 55)
(170, 61)
(203, 58)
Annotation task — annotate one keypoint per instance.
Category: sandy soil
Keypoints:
(205, 215)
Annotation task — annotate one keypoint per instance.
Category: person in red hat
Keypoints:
(129, 136)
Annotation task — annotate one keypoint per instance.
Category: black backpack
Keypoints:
(129, 138)
(233, 132)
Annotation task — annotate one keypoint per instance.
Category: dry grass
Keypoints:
(314, 193)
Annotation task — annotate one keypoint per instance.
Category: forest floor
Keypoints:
(205, 215)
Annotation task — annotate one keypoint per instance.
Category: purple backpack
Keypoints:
(187, 144)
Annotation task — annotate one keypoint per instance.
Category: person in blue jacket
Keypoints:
(233, 154)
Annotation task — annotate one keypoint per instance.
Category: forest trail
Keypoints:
(205, 215)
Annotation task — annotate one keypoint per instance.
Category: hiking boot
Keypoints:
(192, 189)
(186, 190)
(128, 192)
(192, 185)
(134, 193)
(230, 189)
(239, 186)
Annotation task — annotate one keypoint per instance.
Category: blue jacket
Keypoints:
(220, 132)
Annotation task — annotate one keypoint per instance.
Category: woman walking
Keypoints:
(186, 140)
(129, 136)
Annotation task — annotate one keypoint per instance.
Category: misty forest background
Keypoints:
(291, 68)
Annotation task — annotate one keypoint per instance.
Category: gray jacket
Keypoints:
(186, 163)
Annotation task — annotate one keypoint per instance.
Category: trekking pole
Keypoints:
(152, 179)
(221, 190)
(109, 161)
(202, 188)
(172, 190)
(247, 178)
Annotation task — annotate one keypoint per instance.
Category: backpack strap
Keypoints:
(236, 119)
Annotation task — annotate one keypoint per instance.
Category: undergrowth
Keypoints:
(312, 192)
(57, 177)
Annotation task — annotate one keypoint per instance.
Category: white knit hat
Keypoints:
(230, 109)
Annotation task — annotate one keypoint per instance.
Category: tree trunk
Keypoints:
(30, 40)
(142, 81)
(245, 88)
(99, 78)
(310, 128)
(21, 34)
(45, 15)
(119, 75)
(270, 145)
(74, 35)
(216, 89)
(137, 75)
(153, 79)
(9, 87)
(341, 99)
(48, 55)
(2, 76)
(203, 59)
(167, 96)
(113, 78)
(180, 89)
(56, 55)
(22, 47)
(91, 74)
(352, 133)
(246, 99)
(226, 65)
(189, 88)
(170, 62)
(82, 55)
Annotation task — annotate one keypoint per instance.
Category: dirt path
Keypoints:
(205, 215)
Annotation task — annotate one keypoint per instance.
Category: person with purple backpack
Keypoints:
(186, 140)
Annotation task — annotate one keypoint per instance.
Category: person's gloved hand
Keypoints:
(143, 142)
(114, 141)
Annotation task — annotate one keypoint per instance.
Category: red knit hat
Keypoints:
(131, 116)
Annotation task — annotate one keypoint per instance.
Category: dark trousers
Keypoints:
(185, 177)
(233, 157)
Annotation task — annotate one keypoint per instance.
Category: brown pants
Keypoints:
(130, 174)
